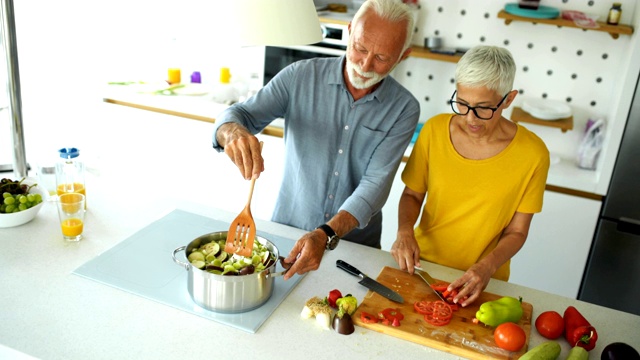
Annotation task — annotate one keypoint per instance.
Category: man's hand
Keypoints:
(307, 253)
(242, 148)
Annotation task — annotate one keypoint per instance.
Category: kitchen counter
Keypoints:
(564, 176)
(50, 313)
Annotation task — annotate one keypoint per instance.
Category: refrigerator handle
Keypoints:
(628, 225)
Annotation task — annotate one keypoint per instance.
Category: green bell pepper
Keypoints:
(505, 309)
(346, 305)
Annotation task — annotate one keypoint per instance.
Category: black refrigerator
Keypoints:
(612, 274)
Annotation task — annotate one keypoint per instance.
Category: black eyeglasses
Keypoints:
(482, 112)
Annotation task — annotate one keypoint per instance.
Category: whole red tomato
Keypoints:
(510, 336)
(550, 324)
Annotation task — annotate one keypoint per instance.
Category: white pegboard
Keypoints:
(579, 67)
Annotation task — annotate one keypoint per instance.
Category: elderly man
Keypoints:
(347, 125)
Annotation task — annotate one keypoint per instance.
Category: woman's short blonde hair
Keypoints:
(489, 66)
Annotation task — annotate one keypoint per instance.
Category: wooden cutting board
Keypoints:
(460, 337)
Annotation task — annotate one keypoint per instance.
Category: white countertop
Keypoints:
(50, 313)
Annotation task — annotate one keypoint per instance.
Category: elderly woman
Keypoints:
(482, 175)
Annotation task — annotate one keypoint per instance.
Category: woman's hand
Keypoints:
(306, 254)
(472, 283)
(406, 252)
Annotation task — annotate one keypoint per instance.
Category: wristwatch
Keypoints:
(332, 238)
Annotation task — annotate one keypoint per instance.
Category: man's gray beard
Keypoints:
(357, 82)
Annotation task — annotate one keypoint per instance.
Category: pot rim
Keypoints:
(222, 235)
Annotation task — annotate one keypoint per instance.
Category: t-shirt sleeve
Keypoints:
(416, 171)
(534, 192)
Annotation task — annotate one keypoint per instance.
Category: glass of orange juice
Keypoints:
(71, 213)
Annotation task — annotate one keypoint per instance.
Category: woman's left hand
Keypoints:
(471, 284)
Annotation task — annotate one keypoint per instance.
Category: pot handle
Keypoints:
(285, 266)
(183, 264)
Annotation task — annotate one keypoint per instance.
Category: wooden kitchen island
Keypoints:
(50, 313)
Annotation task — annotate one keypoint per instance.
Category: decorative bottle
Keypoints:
(70, 173)
(614, 14)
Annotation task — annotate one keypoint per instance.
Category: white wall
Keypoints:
(599, 81)
(68, 51)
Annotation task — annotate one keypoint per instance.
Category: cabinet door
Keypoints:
(390, 211)
(554, 256)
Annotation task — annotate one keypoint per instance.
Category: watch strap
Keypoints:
(327, 230)
(332, 238)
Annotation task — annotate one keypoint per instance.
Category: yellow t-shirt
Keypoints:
(470, 202)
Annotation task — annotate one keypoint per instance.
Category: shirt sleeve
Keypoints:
(260, 110)
(373, 190)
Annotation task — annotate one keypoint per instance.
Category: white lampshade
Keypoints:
(272, 22)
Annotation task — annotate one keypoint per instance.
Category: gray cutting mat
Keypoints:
(156, 277)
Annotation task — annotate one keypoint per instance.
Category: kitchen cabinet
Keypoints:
(390, 211)
(554, 256)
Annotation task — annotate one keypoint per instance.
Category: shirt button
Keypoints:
(326, 216)
(346, 127)
(339, 151)
(331, 197)
(336, 173)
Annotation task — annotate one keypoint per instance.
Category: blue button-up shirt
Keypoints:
(340, 154)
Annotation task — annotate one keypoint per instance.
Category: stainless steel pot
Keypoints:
(229, 294)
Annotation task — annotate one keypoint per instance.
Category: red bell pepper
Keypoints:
(578, 331)
(368, 318)
(334, 295)
(390, 316)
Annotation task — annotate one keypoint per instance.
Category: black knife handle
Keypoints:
(349, 268)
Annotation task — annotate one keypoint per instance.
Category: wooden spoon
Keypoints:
(242, 230)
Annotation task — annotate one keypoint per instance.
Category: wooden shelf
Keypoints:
(519, 115)
(614, 30)
(418, 51)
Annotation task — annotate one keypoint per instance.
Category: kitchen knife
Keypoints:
(370, 283)
(430, 281)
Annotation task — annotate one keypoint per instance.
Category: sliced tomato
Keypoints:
(420, 307)
(438, 313)
(449, 294)
(440, 286)
(436, 322)
(368, 318)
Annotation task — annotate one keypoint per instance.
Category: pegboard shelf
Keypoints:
(519, 115)
(614, 30)
(418, 51)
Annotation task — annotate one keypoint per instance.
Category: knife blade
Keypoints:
(370, 283)
(430, 281)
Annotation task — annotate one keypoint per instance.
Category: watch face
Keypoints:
(332, 242)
